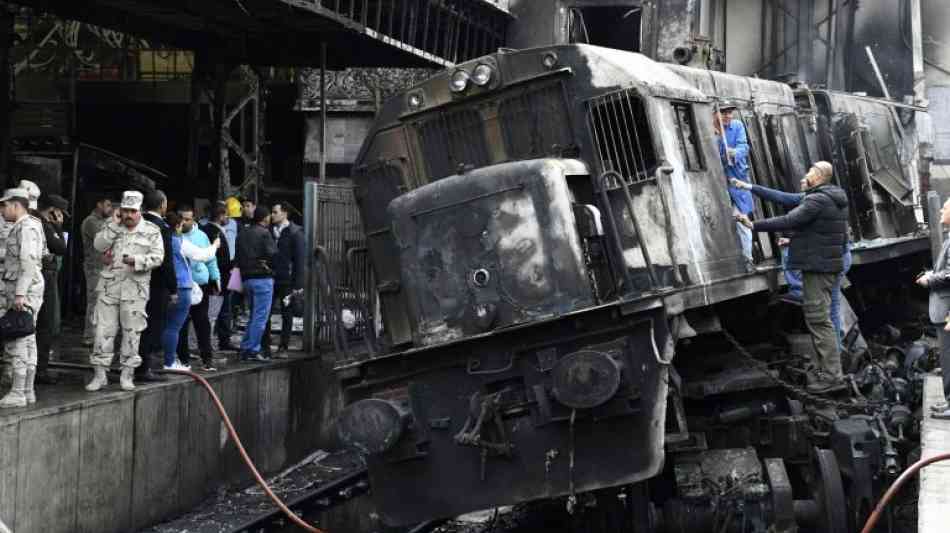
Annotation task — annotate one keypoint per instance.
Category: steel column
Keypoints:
(310, 205)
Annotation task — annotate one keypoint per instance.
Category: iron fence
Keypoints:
(346, 295)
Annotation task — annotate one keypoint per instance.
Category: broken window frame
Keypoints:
(602, 145)
(688, 141)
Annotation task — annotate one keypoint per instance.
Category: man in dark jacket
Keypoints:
(820, 226)
(216, 229)
(255, 259)
(163, 288)
(53, 209)
(289, 264)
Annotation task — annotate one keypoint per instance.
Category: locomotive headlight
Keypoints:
(585, 379)
(459, 81)
(372, 425)
(415, 100)
(482, 75)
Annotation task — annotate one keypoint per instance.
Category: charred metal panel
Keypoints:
(491, 248)
(534, 121)
(526, 436)
(386, 174)
(876, 166)
(940, 113)
(884, 27)
(669, 25)
(452, 140)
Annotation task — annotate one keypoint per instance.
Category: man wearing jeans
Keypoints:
(255, 259)
(820, 223)
(794, 277)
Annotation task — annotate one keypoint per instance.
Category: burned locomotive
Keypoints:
(548, 228)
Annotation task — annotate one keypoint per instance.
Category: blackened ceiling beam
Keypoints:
(264, 32)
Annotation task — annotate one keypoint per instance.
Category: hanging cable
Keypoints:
(247, 459)
(892, 490)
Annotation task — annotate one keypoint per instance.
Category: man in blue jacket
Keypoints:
(733, 147)
(289, 265)
(207, 276)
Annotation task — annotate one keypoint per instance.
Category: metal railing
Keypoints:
(454, 30)
(344, 292)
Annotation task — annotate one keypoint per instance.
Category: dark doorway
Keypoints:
(609, 26)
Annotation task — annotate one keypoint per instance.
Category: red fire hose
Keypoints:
(892, 490)
(247, 459)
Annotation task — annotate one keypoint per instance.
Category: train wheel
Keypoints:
(829, 494)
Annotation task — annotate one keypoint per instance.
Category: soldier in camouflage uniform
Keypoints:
(7, 377)
(135, 248)
(23, 288)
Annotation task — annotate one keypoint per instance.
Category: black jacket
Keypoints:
(291, 256)
(255, 252)
(224, 251)
(163, 278)
(55, 242)
(820, 224)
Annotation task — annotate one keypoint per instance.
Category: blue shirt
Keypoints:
(739, 169)
(230, 235)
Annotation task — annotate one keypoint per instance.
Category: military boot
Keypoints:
(125, 379)
(98, 379)
(29, 392)
(16, 396)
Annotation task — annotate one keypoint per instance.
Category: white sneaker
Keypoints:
(177, 366)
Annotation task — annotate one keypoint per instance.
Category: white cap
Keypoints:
(131, 200)
(18, 192)
(32, 189)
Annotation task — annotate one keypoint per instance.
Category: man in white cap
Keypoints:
(133, 247)
(23, 287)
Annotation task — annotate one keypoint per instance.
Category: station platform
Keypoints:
(933, 503)
(116, 461)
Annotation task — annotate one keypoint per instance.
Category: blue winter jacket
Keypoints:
(202, 272)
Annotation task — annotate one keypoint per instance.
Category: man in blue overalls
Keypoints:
(734, 154)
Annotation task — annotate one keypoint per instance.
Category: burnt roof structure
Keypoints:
(360, 33)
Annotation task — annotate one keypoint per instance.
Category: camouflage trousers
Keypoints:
(112, 315)
(92, 281)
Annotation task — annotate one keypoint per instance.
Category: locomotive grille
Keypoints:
(450, 139)
(620, 130)
(535, 122)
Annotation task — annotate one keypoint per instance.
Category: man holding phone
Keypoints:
(132, 248)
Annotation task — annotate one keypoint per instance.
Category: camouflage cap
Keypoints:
(131, 200)
(17, 192)
(32, 189)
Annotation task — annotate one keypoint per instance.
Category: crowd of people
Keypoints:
(151, 272)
